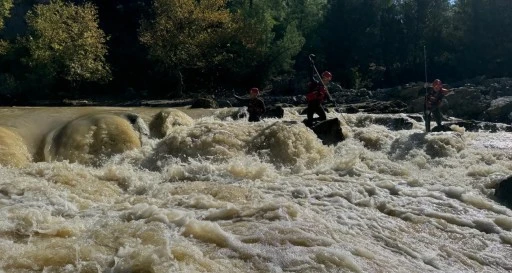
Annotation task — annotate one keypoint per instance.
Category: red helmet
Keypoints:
(327, 74)
(437, 82)
(255, 91)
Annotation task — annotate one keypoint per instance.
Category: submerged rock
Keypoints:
(274, 112)
(474, 126)
(163, 122)
(91, 138)
(13, 151)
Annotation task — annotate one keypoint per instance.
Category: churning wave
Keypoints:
(152, 190)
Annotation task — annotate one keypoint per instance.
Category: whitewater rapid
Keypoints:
(187, 190)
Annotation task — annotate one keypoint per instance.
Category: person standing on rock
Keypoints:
(433, 101)
(317, 94)
(255, 105)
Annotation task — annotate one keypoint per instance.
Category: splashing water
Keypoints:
(209, 193)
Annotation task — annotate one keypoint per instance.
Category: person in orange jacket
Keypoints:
(317, 94)
(433, 102)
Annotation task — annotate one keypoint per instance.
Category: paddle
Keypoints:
(311, 56)
(426, 80)
(427, 126)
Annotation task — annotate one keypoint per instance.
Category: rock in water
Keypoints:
(503, 192)
(164, 121)
(90, 139)
(442, 128)
(274, 112)
(329, 131)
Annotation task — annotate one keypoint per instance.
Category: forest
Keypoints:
(166, 49)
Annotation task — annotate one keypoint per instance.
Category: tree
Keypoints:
(127, 57)
(350, 38)
(65, 43)
(5, 7)
(266, 41)
(484, 39)
(270, 36)
(239, 43)
(188, 35)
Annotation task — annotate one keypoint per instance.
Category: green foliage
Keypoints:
(245, 42)
(220, 44)
(284, 50)
(359, 79)
(270, 34)
(308, 13)
(187, 34)
(5, 7)
(389, 35)
(349, 37)
(189, 40)
(4, 47)
(7, 83)
(484, 39)
(65, 42)
(253, 42)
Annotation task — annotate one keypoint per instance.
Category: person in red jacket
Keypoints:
(317, 94)
(433, 101)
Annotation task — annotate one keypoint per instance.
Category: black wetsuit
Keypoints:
(255, 108)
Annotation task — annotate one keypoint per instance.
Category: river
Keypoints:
(96, 189)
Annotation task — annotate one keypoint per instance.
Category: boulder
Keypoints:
(503, 192)
(274, 112)
(442, 128)
(500, 110)
(381, 107)
(394, 123)
(329, 131)
(416, 105)
(464, 102)
(351, 109)
(408, 92)
(476, 126)
(225, 104)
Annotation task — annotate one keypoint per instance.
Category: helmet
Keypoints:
(437, 82)
(255, 91)
(327, 74)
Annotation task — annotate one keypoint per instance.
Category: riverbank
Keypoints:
(480, 99)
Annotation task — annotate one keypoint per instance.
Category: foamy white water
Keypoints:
(81, 191)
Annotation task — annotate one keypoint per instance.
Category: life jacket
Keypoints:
(435, 98)
(316, 92)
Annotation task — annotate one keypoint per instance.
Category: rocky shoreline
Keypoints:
(476, 103)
